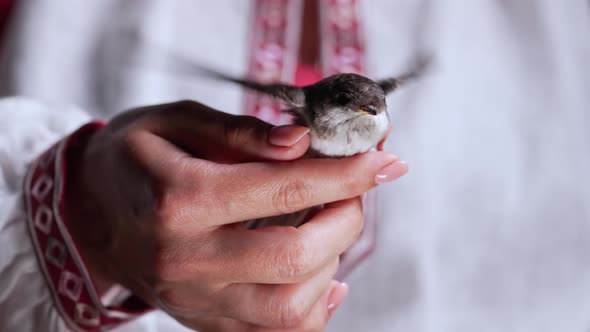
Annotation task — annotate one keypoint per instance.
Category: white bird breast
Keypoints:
(337, 145)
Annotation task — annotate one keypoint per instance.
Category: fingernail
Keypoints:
(391, 172)
(337, 296)
(286, 135)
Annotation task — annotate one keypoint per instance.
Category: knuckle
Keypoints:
(177, 204)
(290, 312)
(245, 129)
(238, 128)
(350, 181)
(291, 196)
(166, 209)
(294, 262)
(185, 104)
(176, 110)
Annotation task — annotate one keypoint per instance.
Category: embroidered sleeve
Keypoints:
(68, 280)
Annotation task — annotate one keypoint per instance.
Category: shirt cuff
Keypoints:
(70, 284)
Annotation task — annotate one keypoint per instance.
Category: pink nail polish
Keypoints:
(391, 172)
(336, 297)
(287, 135)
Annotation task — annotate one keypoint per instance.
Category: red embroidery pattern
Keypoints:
(72, 290)
(273, 40)
(343, 48)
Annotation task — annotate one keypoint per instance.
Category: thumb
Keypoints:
(225, 138)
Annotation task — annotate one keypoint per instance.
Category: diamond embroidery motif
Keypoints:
(56, 252)
(86, 315)
(70, 285)
(42, 187)
(44, 219)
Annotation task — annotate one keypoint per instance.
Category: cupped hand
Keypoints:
(155, 201)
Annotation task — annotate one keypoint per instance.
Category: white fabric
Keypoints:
(490, 230)
(28, 128)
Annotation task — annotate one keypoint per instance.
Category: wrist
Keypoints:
(81, 216)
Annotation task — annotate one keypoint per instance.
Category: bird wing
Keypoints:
(391, 84)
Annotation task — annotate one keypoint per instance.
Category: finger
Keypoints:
(276, 306)
(212, 323)
(321, 312)
(224, 138)
(277, 254)
(254, 190)
(316, 320)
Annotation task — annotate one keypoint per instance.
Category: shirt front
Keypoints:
(488, 231)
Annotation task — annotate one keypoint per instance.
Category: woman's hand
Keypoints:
(155, 199)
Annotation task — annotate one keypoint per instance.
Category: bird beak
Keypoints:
(370, 110)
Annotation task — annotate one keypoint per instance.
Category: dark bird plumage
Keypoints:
(346, 113)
